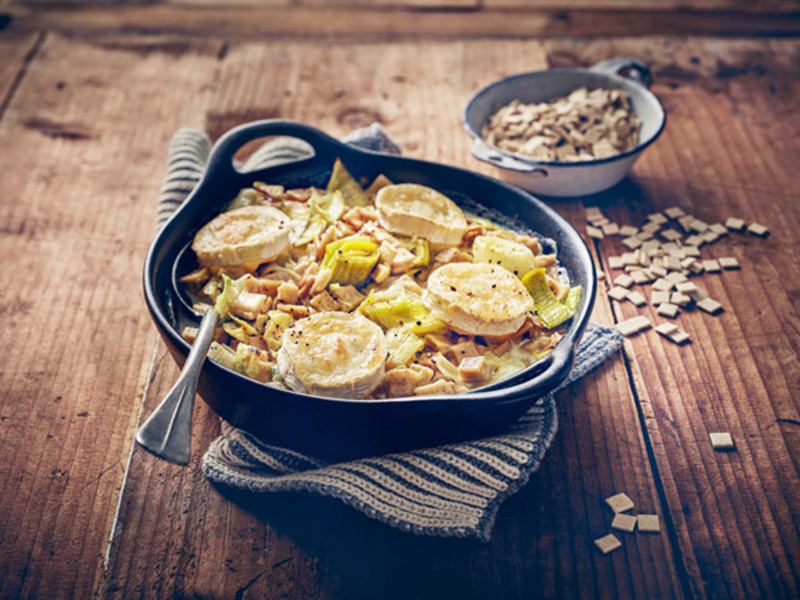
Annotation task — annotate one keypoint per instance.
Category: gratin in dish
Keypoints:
(386, 291)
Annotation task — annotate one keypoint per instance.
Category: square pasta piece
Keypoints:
(674, 212)
(667, 329)
(685, 222)
(709, 237)
(658, 270)
(719, 229)
(669, 247)
(659, 297)
(618, 293)
(698, 226)
(610, 229)
(711, 266)
(672, 263)
(694, 240)
(735, 224)
(691, 251)
(650, 245)
(620, 502)
(637, 298)
(671, 235)
(710, 306)
(630, 258)
(640, 277)
(657, 218)
(652, 227)
(697, 294)
(615, 262)
(758, 229)
(599, 222)
(628, 231)
(623, 280)
(667, 310)
(679, 337)
(648, 523)
(676, 277)
(686, 287)
(696, 267)
(722, 441)
(593, 212)
(680, 299)
(688, 262)
(631, 327)
(624, 522)
(594, 232)
(645, 235)
(632, 242)
(663, 285)
(728, 262)
(608, 543)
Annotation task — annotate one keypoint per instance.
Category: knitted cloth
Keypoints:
(448, 491)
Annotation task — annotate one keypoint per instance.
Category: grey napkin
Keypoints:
(448, 491)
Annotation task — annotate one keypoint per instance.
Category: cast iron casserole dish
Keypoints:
(337, 429)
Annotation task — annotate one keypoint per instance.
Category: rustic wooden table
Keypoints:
(89, 97)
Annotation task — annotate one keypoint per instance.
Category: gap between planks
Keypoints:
(121, 493)
(666, 514)
(396, 23)
(31, 55)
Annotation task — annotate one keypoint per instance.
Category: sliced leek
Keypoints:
(322, 210)
(573, 298)
(230, 292)
(512, 256)
(549, 309)
(505, 366)
(222, 355)
(403, 346)
(252, 362)
(342, 181)
(351, 259)
(275, 327)
(395, 308)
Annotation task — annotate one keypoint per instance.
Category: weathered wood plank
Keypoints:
(388, 23)
(78, 171)
(179, 537)
(641, 5)
(15, 55)
(729, 149)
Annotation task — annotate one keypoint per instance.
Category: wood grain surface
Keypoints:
(389, 19)
(84, 126)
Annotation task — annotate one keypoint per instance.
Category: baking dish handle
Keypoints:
(484, 152)
(325, 147)
(625, 66)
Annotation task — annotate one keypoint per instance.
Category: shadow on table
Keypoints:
(363, 558)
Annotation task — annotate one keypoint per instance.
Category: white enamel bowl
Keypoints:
(557, 178)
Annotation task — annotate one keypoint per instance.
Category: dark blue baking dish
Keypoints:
(337, 429)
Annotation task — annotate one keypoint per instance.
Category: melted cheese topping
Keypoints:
(333, 353)
(479, 299)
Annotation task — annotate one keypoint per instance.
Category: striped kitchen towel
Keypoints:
(448, 491)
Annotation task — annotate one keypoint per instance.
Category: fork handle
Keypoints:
(167, 432)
